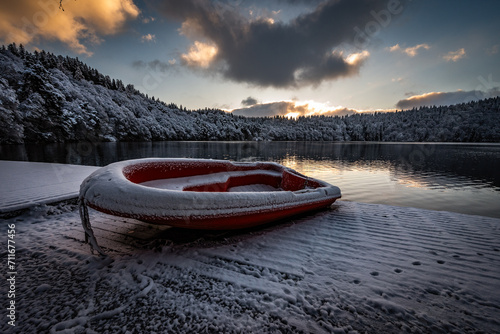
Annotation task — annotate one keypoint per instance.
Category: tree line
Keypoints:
(52, 98)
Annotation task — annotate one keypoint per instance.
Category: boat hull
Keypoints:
(203, 194)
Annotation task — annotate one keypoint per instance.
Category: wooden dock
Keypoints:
(26, 184)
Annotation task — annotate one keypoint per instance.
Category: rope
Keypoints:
(89, 233)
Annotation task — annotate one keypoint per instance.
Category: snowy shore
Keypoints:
(355, 268)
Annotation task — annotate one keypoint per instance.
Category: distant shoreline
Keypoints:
(47, 98)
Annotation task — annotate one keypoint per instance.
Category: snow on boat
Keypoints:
(201, 193)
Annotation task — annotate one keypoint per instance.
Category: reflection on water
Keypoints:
(453, 177)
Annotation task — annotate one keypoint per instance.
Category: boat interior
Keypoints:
(217, 176)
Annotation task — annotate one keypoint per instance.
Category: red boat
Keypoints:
(202, 194)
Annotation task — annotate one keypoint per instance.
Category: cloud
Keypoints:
(264, 110)
(394, 48)
(155, 65)
(445, 98)
(332, 66)
(249, 101)
(290, 109)
(410, 51)
(303, 51)
(200, 55)
(148, 38)
(295, 2)
(493, 50)
(81, 23)
(455, 55)
(147, 20)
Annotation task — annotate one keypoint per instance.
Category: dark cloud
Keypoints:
(154, 65)
(294, 2)
(264, 109)
(282, 108)
(340, 112)
(138, 64)
(260, 52)
(445, 98)
(249, 101)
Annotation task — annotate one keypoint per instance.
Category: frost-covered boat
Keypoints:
(201, 193)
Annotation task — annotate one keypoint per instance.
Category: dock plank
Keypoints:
(26, 184)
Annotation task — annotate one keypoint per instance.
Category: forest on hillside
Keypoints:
(51, 98)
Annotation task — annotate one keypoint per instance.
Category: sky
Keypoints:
(276, 57)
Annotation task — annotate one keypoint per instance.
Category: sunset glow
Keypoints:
(77, 26)
(355, 58)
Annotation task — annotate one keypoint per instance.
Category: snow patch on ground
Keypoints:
(355, 268)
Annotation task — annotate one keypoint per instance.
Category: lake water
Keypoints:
(462, 178)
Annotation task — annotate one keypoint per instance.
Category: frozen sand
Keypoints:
(356, 268)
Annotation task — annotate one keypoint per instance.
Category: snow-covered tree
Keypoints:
(49, 98)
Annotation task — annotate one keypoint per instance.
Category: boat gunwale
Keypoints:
(126, 198)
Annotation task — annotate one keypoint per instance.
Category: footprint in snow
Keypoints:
(416, 263)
